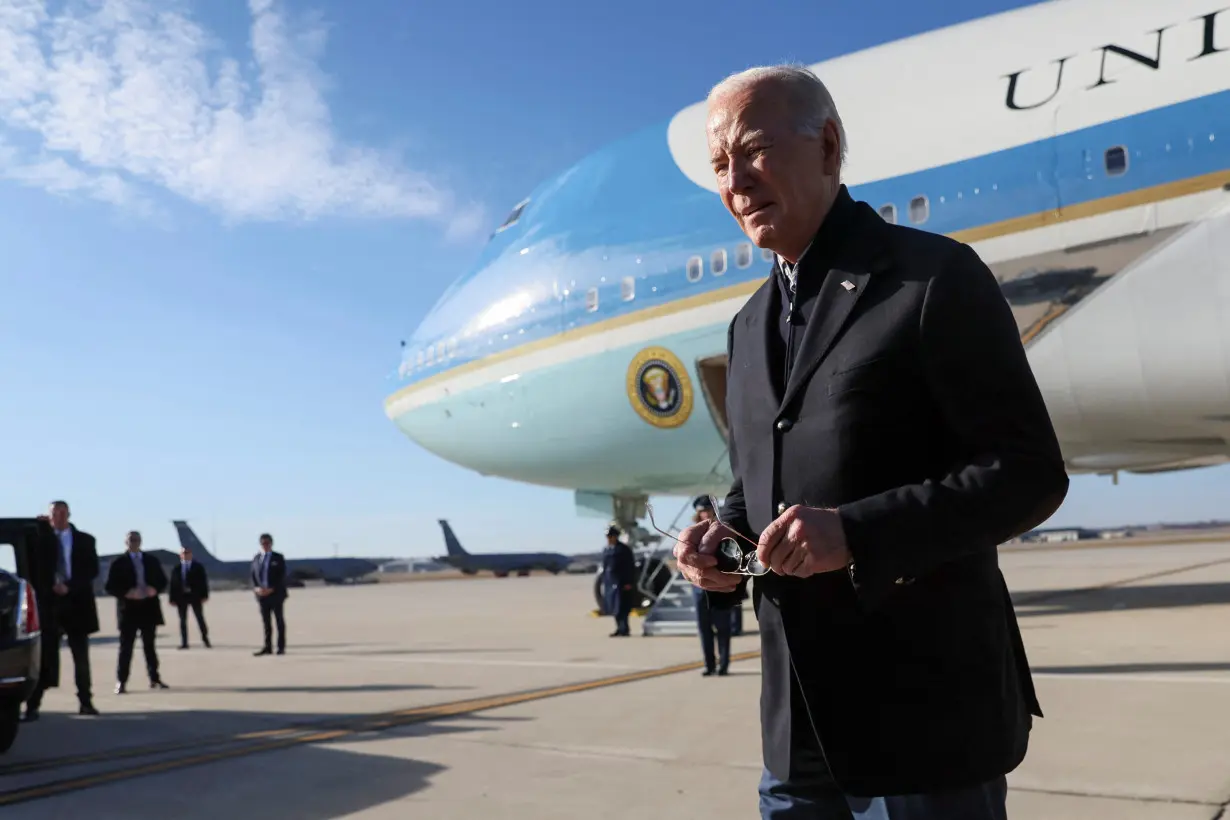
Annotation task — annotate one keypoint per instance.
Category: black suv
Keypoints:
(20, 620)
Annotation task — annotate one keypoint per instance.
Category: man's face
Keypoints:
(185, 555)
(704, 514)
(133, 541)
(776, 182)
(266, 544)
(59, 516)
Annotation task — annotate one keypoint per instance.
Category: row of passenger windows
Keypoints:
(1115, 160)
(694, 271)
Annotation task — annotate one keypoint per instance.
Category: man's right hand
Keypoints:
(60, 589)
(695, 556)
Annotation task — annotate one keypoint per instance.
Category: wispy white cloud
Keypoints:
(109, 98)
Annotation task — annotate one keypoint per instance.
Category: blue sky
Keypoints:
(219, 220)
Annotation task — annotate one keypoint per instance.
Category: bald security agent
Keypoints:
(135, 580)
(886, 434)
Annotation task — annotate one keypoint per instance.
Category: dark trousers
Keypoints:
(271, 609)
(199, 612)
(811, 794)
(79, 645)
(128, 637)
(709, 621)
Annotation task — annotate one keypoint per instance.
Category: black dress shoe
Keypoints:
(87, 709)
(282, 651)
(158, 684)
(30, 716)
(183, 646)
(265, 651)
(205, 641)
(706, 673)
(722, 672)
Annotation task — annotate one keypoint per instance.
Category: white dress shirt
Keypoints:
(66, 549)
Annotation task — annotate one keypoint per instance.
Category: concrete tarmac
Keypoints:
(468, 698)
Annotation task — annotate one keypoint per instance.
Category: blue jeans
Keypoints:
(815, 797)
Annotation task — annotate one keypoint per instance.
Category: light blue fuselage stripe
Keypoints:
(630, 201)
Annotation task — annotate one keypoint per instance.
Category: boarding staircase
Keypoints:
(674, 613)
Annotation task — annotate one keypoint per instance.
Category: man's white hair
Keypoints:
(807, 96)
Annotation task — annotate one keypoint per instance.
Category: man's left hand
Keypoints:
(804, 541)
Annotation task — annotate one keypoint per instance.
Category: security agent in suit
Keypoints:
(269, 584)
(713, 624)
(69, 561)
(189, 588)
(886, 434)
(135, 580)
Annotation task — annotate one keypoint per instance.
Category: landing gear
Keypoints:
(653, 574)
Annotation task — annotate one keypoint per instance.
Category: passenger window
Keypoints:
(717, 262)
(591, 299)
(1116, 161)
(889, 213)
(767, 255)
(695, 269)
(920, 209)
(743, 255)
(627, 288)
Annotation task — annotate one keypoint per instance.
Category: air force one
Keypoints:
(1082, 147)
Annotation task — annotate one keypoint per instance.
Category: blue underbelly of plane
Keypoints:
(555, 426)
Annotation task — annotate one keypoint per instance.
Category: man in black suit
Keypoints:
(886, 434)
(269, 584)
(135, 580)
(72, 607)
(189, 587)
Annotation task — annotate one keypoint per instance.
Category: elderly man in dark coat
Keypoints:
(886, 435)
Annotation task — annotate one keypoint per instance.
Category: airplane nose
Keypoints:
(521, 370)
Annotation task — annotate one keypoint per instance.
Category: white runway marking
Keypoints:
(1133, 677)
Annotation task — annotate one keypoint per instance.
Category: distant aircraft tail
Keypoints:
(450, 541)
(188, 540)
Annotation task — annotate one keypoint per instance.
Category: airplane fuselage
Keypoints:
(1081, 147)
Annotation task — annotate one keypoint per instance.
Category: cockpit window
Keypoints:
(514, 216)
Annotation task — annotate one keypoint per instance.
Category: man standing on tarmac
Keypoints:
(74, 612)
(269, 584)
(189, 588)
(886, 434)
(618, 580)
(135, 580)
(711, 623)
